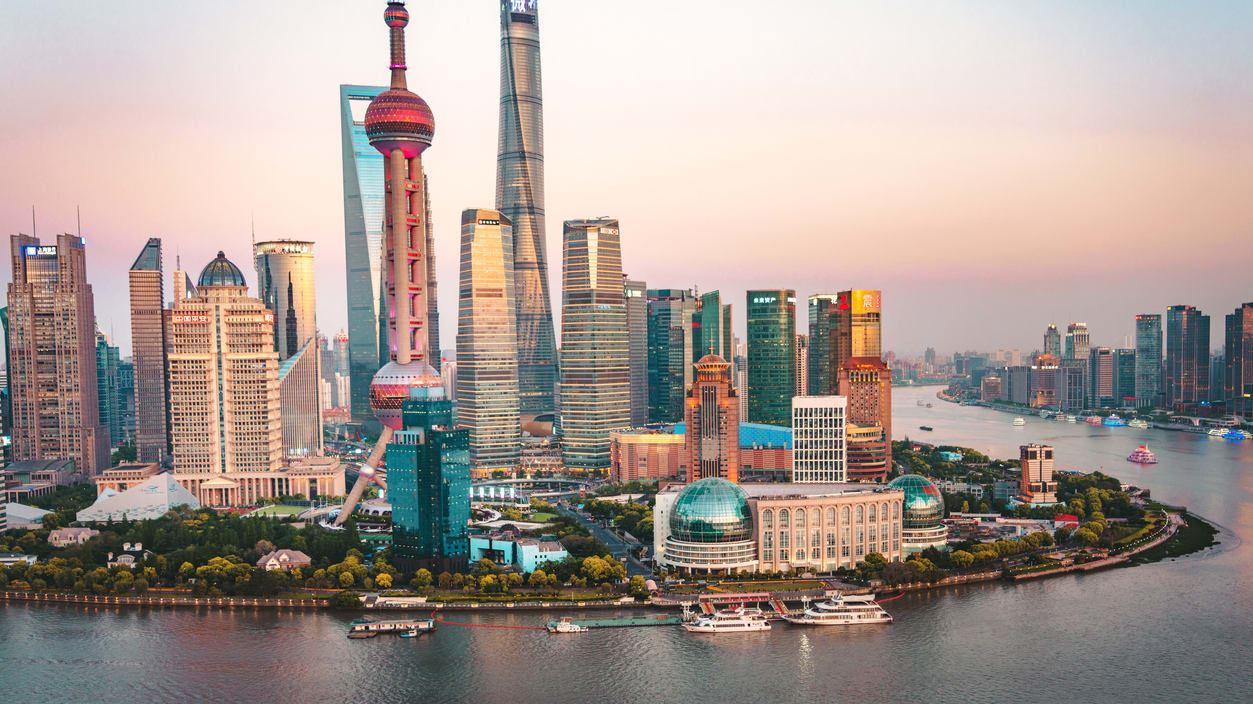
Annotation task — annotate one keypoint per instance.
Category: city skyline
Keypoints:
(1178, 169)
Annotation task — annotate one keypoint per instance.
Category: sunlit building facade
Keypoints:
(711, 414)
(520, 198)
(819, 434)
(1238, 358)
(867, 384)
(636, 293)
(1187, 357)
(487, 348)
(595, 367)
(147, 300)
(52, 355)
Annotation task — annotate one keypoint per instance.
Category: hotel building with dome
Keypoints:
(714, 526)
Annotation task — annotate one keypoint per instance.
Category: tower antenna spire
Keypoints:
(34, 231)
(397, 17)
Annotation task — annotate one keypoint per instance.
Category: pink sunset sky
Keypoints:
(993, 167)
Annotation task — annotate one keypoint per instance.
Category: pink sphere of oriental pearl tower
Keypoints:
(400, 125)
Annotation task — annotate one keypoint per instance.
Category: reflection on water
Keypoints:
(1171, 631)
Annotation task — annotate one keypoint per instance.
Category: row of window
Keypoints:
(873, 513)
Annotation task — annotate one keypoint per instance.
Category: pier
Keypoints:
(659, 620)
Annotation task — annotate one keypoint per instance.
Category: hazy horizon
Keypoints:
(992, 169)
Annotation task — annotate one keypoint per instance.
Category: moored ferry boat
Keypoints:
(1138, 423)
(1234, 434)
(1142, 455)
(1216, 432)
(1071, 418)
(1093, 420)
(1114, 420)
(737, 620)
(1019, 422)
(566, 625)
(841, 610)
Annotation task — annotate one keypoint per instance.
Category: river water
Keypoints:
(1176, 630)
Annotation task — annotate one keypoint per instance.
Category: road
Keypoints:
(618, 547)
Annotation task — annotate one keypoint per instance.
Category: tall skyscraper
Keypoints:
(867, 384)
(771, 355)
(108, 389)
(595, 367)
(821, 366)
(1187, 356)
(1053, 341)
(802, 365)
(818, 438)
(670, 343)
(1238, 359)
(147, 293)
(711, 328)
(711, 418)
(285, 285)
(1125, 377)
(636, 293)
(1077, 346)
(520, 197)
(52, 355)
(1148, 360)
(223, 379)
(487, 342)
(364, 206)
(859, 333)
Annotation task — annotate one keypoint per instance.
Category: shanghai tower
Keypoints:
(520, 198)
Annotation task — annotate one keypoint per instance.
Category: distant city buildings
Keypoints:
(487, 343)
(867, 384)
(1077, 341)
(646, 455)
(1053, 341)
(52, 355)
(821, 366)
(711, 328)
(595, 349)
(802, 365)
(771, 355)
(108, 388)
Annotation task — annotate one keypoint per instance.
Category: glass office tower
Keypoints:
(487, 345)
(595, 371)
(771, 355)
(1148, 360)
(428, 485)
(364, 202)
(1238, 361)
(671, 314)
(1187, 356)
(636, 293)
(824, 323)
(147, 297)
(520, 197)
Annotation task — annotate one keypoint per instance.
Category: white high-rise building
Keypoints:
(818, 438)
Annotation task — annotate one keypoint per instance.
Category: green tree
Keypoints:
(963, 559)
(1086, 537)
(346, 579)
(346, 600)
(422, 579)
(538, 579)
(1061, 535)
(383, 581)
(445, 580)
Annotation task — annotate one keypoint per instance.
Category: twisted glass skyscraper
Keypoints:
(520, 198)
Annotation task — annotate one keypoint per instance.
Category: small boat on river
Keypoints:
(1142, 455)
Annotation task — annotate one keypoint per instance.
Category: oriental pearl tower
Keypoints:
(400, 125)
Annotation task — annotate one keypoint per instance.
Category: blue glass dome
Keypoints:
(923, 506)
(712, 510)
(221, 272)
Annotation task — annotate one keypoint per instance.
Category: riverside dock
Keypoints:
(659, 620)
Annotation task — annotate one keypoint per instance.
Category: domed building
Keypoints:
(221, 272)
(922, 526)
(711, 529)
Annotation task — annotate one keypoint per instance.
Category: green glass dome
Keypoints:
(923, 506)
(221, 272)
(711, 510)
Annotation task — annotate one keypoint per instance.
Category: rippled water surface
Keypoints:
(1173, 631)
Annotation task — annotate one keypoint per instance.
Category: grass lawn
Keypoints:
(279, 510)
(540, 517)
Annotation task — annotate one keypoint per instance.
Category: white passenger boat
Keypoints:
(1216, 432)
(842, 610)
(737, 620)
(1138, 423)
(1019, 422)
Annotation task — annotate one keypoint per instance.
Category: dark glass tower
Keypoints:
(428, 484)
(1148, 360)
(824, 323)
(1187, 356)
(1238, 374)
(520, 198)
(771, 355)
(671, 314)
